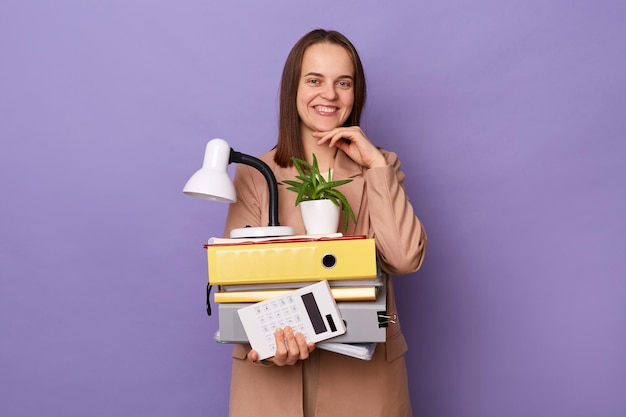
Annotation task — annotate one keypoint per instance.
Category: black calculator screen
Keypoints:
(314, 313)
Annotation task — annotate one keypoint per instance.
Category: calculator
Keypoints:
(310, 310)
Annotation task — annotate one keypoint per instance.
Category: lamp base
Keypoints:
(267, 231)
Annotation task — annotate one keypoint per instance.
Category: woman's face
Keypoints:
(326, 88)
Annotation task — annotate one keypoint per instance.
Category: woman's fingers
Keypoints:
(290, 347)
(353, 142)
(304, 348)
(253, 356)
(341, 135)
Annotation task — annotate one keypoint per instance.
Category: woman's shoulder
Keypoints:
(390, 156)
(268, 156)
(386, 151)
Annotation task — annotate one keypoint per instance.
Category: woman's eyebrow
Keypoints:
(317, 74)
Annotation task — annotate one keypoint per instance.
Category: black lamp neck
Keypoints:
(272, 184)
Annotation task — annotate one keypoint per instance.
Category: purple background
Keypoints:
(509, 118)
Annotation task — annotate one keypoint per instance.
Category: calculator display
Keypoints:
(314, 312)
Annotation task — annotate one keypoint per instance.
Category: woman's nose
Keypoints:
(329, 92)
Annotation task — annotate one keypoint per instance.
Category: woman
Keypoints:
(322, 96)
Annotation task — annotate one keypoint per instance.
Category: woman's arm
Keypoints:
(400, 236)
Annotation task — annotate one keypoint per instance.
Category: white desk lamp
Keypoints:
(212, 182)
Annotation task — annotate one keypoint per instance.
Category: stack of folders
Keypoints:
(248, 271)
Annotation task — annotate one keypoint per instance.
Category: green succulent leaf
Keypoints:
(311, 184)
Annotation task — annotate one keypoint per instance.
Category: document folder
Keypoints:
(339, 294)
(335, 283)
(365, 321)
(292, 261)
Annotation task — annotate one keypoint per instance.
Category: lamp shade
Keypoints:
(212, 182)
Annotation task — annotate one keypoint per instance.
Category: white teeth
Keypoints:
(323, 109)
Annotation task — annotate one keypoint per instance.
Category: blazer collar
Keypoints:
(345, 167)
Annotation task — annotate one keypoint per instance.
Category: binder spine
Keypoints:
(266, 263)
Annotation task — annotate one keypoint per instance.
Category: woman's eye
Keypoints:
(314, 82)
(344, 84)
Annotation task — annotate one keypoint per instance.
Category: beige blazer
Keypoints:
(346, 386)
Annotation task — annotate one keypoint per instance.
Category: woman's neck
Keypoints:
(325, 155)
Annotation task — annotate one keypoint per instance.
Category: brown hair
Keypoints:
(289, 139)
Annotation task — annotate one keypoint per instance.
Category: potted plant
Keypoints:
(319, 200)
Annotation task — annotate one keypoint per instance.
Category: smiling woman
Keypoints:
(325, 94)
(322, 95)
(289, 143)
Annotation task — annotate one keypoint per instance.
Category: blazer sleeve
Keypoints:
(400, 236)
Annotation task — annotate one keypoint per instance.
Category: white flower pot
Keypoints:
(320, 216)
